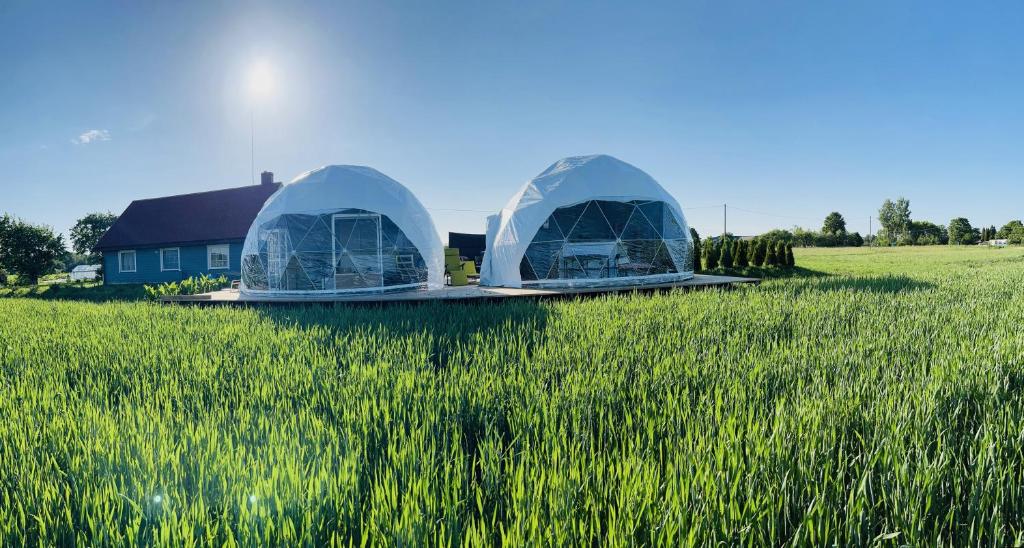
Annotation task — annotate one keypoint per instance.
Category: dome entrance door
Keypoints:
(357, 258)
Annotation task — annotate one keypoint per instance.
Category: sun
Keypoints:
(260, 81)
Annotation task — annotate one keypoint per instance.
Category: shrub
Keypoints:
(757, 252)
(710, 255)
(726, 253)
(790, 261)
(696, 250)
(780, 254)
(770, 259)
(741, 254)
(188, 286)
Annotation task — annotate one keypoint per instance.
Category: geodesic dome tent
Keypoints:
(588, 221)
(341, 229)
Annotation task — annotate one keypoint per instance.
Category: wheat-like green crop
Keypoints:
(877, 398)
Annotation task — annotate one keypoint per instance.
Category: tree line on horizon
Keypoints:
(898, 229)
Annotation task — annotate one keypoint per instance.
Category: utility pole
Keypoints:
(252, 145)
(869, 225)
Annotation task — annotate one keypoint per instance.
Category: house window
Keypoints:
(170, 259)
(126, 261)
(217, 256)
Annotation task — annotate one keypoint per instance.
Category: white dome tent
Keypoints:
(588, 221)
(341, 230)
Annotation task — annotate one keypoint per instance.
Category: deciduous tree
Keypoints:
(834, 224)
(88, 230)
(895, 217)
(961, 232)
(28, 250)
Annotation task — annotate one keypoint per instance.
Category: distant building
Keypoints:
(84, 272)
(998, 243)
(168, 239)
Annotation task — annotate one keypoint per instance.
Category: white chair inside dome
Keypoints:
(588, 221)
(341, 230)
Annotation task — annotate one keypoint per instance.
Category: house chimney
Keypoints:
(267, 178)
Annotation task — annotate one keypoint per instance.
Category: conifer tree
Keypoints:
(769, 255)
(726, 252)
(696, 250)
(790, 261)
(780, 253)
(710, 255)
(757, 253)
(741, 258)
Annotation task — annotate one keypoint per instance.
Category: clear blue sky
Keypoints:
(789, 108)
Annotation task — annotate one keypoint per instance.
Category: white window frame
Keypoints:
(120, 260)
(210, 249)
(178, 250)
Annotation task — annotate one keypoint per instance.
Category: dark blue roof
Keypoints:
(217, 215)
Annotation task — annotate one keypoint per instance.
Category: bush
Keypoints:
(696, 250)
(770, 258)
(188, 286)
(741, 254)
(790, 261)
(757, 252)
(710, 255)
(726, 253)
(3, 277)
(780, 254)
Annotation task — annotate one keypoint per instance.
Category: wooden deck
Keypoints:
(472, 292)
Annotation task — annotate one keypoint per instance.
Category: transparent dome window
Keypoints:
(348, 250)
(607, 240)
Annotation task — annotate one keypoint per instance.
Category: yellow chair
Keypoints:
(458, 278)
(453, 267)
(470, 268)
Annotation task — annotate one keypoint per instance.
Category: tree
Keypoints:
(790, 261)
(834, 224)
(854, 239)
(6, 223)
(770, 259)
(759, 252)
(710, 255)
(927, 233)
(726, 257)
(88, 230)
(780, 254)
(804, 238)
(895, 218)
(961, 232)
(29, 250)
(1017, 236)
(1008, 229)
(740, 250)
(778, 235)
(696, 249)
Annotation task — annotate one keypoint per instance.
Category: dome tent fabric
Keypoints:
(341, 229)
(588, 221)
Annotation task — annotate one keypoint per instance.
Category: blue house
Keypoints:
(169, 239)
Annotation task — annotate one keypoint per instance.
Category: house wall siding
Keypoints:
(147, 264)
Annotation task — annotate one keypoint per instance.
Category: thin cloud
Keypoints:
(92, 136)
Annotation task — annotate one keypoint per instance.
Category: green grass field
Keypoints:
(877, 397)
